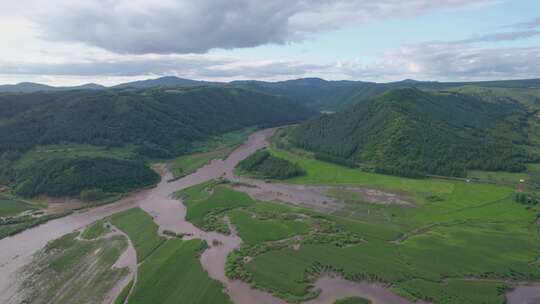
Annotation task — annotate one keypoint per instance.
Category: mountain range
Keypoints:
(313, 92)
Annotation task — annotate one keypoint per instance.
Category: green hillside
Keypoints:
(410, 132)
(159, 122)
(69, 177)
(335, 95)
(70, 143)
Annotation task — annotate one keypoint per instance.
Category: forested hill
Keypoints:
(335, 95)
(318, 93)
(159, 122)
(410, 132)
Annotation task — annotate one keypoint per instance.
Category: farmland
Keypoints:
(69, 270)
(169, 270)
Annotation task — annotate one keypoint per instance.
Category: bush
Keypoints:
(263, 164)
(336, 160)
(92, 195)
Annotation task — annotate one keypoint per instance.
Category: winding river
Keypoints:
(169, 214)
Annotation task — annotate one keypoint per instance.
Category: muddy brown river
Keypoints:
(169, 214)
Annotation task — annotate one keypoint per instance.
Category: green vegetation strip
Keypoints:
(122, 297)
(95, 230)
(141, 229)
(353, 300)
(169, 269)
(10, 206)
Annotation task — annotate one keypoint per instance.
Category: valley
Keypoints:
(259, 234)
(278, 152)
(218, 194)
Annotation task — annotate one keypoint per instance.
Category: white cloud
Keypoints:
(107, 41)
(186, 26)
(441, 61)
(426, 61)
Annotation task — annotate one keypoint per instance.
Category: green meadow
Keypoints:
(141, 229)
(457, 243)
(253, 230)
(43, 153)
(169, 269)
(95, 230)
(10, 205)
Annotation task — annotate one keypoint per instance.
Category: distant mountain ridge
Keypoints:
(31, 87)
(167, 81)
(316, 93)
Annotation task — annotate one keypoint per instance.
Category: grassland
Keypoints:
(173, 274)
(496, 176)
(68, 270)
(17, 214)
(352, 300)
(206, 205)
(253, 230)
(48, 152)
(169, 269)
(96, 230)
(187, 164)
(460, 242)
(458, 291)
(10, 205)
(141, 229)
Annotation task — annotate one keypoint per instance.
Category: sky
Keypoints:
(71, 42)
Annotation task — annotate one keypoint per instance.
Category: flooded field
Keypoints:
(334, 287)
(526, 294)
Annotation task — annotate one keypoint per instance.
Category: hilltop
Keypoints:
(410, 132)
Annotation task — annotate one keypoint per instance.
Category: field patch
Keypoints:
(141, 230)
(173, 274)
(10, 206)
(253, 230)
(169, 269)
(68, 270)
(207, 203)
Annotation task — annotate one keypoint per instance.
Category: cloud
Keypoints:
(425, 61)
(498, 37)
(533, 23)
(186, 26)
(190, 66)
(436, 61)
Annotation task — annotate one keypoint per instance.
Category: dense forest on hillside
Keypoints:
(263, 164)
(70, 177)
(410, 132)
(161, 123)
(138, 125)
